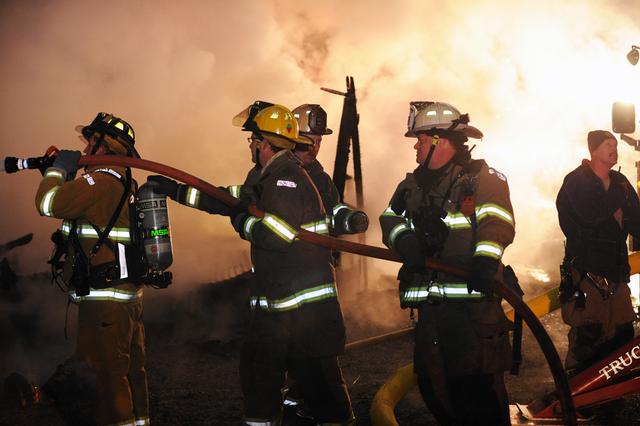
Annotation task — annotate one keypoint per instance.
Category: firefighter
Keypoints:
(312, 122)
(296, 323)
(458, 210)
(597, 209)
(101, 266)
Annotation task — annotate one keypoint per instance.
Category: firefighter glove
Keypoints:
(482, 273)
(239, 214)
(164, 185)
(68, 161)
(408, 247)
(358, 222)
(214, 206)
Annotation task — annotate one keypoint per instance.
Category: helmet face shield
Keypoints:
(245, 117)
(413, 111)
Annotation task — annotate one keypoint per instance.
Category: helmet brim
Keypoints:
(467, 130)
(81, 128)
(327, 131)
(283, 141)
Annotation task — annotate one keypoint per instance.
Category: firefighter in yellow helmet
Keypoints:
(297, 323)
(456, 209)
(101, 269)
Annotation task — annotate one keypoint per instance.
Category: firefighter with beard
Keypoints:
(597, 208)
(296, 323)
(458, 210)
(312, 122)
(102, 269)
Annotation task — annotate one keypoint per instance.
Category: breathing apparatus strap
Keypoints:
(85, 275)
(103, 236)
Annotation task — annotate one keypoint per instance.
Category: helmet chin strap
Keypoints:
(258, 147)
(96, 147)
(435, 140)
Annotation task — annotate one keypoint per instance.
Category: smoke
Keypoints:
(534, 76)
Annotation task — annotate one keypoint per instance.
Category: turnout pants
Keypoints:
(111, 340)
(273, 347)
(598, 326)
(460, 355)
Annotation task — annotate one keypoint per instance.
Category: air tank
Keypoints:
(153, 219)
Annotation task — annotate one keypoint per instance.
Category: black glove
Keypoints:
(433, 228)
(214, 206)
(164, 185)
(358, 222)
(482, 273)
(67, 161)
(408, 247)
(239, 214)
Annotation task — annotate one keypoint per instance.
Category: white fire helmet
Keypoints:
(425, 116)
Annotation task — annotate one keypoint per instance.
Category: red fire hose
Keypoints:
(550, 353)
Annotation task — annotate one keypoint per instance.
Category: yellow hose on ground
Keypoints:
(394, 389)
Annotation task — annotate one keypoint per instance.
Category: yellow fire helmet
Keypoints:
(425, 116)
(275, 123)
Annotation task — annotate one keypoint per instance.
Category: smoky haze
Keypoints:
(534, 76)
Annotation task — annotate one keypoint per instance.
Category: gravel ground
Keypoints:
(193, 344)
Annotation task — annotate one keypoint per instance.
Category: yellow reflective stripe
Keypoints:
(489, 249)
(415, 294)
(279, 227)
(453, 291)
(490, 209)
(109, 293)
(46, 205)
(457, 221)
(319, 227)
(248, 227)
(65, 227)
(234, 190)
(143, 421)
(54, 173)
(395, 231)
(338, 207)
(193, 196)
(253, 422)
(87, 231)
(439, 291)
(389, 212)
(258, 301)
(296, 300)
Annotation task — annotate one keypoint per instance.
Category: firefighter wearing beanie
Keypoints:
(597, 209)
